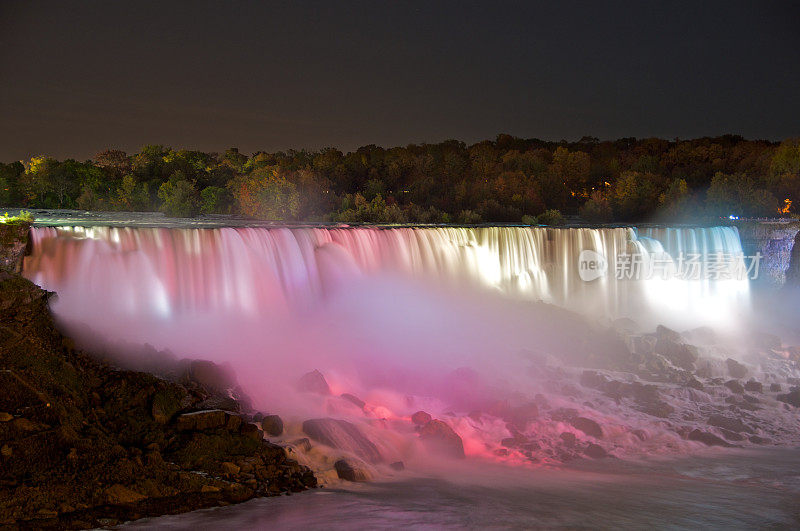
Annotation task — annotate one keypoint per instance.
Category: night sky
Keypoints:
(77, 79)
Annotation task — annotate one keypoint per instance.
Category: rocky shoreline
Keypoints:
(84, 444)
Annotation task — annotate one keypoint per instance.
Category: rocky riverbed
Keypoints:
(84, 444)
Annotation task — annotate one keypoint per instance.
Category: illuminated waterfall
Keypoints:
(253, 271)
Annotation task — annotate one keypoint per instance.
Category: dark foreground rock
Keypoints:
(344, 436)
(85, 445)
(440, 438)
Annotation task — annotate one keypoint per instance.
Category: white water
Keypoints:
(260, 271)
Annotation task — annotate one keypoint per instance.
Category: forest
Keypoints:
(508, 179)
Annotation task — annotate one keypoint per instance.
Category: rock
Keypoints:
(736, 369)
(595, 451)
(520, 416)
(735, 386)
(216, 378)
(754, 386)
(775, 388)
(302, 444)
(679, 354)
(568, 438)
(593, 380)
(755, 439)
(501, 452)
(5, 417)
(230, 468)
(694, 383)
(351, 469)
(119, 494)
(203, 420)
(640, 434)
(662, 332)
(440, 438)
(313, 382)
(420, 418)
(709, 439)
(731, 435)
(251, 431)
(354, 400)
(587, 426)
(658, 408)
(209, 489)
(343, 435)
(728, 423)
(398, 465)
(792, 398)
(272, 425)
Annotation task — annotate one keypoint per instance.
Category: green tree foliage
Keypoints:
(266, 194)
(490, 181)
(179, 197)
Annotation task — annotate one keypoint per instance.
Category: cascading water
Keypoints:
(450, 320)
(252, 271)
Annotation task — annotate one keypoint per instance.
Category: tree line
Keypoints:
(508, 179)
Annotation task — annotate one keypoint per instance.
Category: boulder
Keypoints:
(272, 425)
(662, 332)
(728, 423)
(119, 494)
(775, 388)
(679, 354)
(709, 439)
(568, 438)
(420, 418)
(792, 398)
(398, 466)
(216, 378)
(440, 438)
(595, 451)
(735, 386)
(344, 436)
(313, 382)
(736, 369)
(353, 399)
(754, 386)
(351, 469)
(203, 420)
(587, 426)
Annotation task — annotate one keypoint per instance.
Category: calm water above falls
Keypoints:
(730, 490)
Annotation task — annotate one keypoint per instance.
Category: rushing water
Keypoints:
(391, 314)
(738, 490)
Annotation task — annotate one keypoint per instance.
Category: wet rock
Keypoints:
(501, 452)
(313, 382)
(214, 377)
(203, 420)
(230, 468)
(568, 438)
(731, 435)
(351, 469)
(303, 444)
(272, 425)
(353, 399)
(735, 386)
(398, 466)
(729, 423)
(662, 332)
(658, 408)
(640, 434)
(521, 415)
(420, 418)
(754, 386)
(595, 451)
(343, 435)
(792, 398)
(593, 380)
(587, 426)
(736, 369)
(755, 439)
(119, 494)
(679, 354)
(564, 414)
(709, 439)
(440, 438)
(775, 388)
(694, 383)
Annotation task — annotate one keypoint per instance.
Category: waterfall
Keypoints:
(254, 271)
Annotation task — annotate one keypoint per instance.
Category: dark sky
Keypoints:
(80, 77)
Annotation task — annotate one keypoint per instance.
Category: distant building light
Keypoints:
(733, 217)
